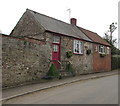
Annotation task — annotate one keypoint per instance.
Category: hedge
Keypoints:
(115, 63)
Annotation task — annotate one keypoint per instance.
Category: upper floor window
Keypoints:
(102, 49)
(55, 48)
(78, 47)
(56, 39)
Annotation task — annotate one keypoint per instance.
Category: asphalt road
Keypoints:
(95, 91)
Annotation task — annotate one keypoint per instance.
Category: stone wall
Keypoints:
(23, 60)
(27, 26)
(27, 59)
(82, 63)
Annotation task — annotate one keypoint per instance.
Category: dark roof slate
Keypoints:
(57, 26)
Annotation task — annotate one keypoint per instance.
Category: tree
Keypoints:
(109, 38)
(109, 33)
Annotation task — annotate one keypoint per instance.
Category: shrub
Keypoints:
(102, 55)
(53, 72)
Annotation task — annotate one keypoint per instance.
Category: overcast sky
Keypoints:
(94, 15)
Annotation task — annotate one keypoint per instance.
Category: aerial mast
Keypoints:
(69, 10)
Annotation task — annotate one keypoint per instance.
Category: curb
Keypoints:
(60, 84)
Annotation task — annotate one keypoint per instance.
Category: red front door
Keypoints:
(56, 54)
(56, 51)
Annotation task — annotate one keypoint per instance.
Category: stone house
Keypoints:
(37, 40)
(61, 36)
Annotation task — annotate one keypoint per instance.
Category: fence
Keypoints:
(115, 62)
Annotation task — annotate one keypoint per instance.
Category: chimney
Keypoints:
(73, 21)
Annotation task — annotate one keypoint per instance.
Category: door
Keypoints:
(56, 51)
(56, 55)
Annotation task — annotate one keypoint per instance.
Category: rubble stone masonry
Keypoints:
(23, 60)
(82, 63)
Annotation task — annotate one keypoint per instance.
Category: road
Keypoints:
(95, 91)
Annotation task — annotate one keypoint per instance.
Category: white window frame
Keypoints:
(78, 47)
(55, 48)
(102, 49)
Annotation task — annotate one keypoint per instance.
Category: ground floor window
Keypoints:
(78, 47)
(102, 49)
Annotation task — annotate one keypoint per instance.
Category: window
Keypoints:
(55, 48)
(95, 48)
(78, 47)
(56, 39)
(108, 51)
(102, 49)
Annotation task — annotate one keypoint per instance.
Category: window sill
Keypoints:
(101, 53)
(78, 53)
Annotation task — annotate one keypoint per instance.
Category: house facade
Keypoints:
(62, 37)
(38, 40)
(102, 52)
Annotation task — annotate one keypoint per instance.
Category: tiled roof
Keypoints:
(57, 26)
(94, 36)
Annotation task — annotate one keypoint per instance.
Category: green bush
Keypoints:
(115, 63)
(102, 55)
(53, 72)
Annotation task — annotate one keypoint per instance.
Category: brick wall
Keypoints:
(101, 63)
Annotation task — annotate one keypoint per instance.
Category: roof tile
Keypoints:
(94, 37)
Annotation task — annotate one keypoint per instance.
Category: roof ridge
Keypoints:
(47, 16)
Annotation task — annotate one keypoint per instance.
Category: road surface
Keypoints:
(95, 91)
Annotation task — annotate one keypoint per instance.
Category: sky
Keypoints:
(94, 15)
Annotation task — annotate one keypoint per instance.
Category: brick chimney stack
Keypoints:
(73, 21)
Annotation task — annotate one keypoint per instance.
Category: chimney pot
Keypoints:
(73, 21)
